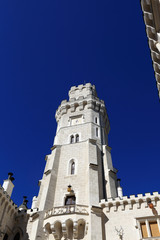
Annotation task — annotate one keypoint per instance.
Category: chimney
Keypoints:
(8, 184)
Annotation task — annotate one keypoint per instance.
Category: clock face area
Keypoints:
(76, 120)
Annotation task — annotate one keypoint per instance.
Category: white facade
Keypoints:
(80, 196)
(81, 139)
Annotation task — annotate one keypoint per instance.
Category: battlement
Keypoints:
(82, 91)
(120, 204)
(80, 104)
(83, 96)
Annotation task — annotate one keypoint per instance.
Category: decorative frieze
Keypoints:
(69, 209)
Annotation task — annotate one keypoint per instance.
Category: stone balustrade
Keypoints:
(69, 209)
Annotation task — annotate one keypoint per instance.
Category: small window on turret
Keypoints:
(96, 132)
(72, 139)
(96, 120)
(73, 168)
(77, 138)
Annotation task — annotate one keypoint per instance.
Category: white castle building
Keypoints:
(80, 196)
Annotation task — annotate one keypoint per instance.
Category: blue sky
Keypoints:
(48, 46)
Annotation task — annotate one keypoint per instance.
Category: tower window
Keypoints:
(96, 132)
(96, 120)
(70, 200)
(72, 139)
(77, 138)
(72, 168)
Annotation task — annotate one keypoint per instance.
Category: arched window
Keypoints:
(17, 236)
(77, 138)
(72, 139)
(70, 200)
(72, 168)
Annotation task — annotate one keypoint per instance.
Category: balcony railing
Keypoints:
(68, 209)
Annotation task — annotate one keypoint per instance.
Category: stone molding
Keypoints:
(68, 209)
(152, 21)
(120, 204)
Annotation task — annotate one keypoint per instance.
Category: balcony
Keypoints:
(68, 209)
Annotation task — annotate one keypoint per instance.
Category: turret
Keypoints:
(8, 184)
(79, 172)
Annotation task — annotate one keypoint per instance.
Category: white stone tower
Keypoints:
(78, 173)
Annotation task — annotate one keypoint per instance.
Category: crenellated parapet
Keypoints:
(80, 98)
(82, 91)
(78, 105)
(152, 22)
(121, 204)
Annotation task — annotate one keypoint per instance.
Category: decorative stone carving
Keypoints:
(79, 209)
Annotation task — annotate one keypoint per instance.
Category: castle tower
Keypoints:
(78, 173)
